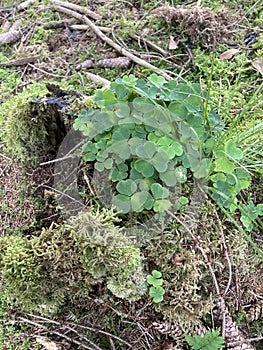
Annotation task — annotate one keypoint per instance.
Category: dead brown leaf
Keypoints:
(48, 345)
(172, 44)
(228, 54)
(258, 65)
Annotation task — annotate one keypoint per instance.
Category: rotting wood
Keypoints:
(110, 42)
(13, 35)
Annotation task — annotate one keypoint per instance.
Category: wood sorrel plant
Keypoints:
(153, 136)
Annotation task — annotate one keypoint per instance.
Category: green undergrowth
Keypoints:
(151, 136)
(51, 270)
(208, 134)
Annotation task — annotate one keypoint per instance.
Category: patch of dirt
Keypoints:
(22, 201)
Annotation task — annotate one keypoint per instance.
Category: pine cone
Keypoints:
(85, 64)
(234, 338)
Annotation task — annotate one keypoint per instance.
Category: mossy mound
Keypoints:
(33, 126)
(65, 261)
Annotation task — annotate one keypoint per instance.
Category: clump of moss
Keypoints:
(20, 270)
(186, 284)
(106, 253)
(67, 260)
(22, 132)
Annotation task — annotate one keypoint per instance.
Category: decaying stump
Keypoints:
(53, 111)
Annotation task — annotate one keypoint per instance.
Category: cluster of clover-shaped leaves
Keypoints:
(156, 290)
(150, 135)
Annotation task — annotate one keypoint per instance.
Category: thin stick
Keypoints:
(225, 252)
(63, 194)
(2, 155)
(66, 156)
(85, 27)
(250, 340)
(68, 324)
(96, 347)
(45, 72)
(97, 79)
(150, 44)
(77, 8)
(22, 319)
(110, 42)
(103, 332)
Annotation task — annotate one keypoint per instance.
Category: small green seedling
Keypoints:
(210, 341)
(156, 291)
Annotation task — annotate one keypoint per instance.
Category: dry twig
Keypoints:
(20, 61)
(24, 5)
(86, 27)
(225, 252)
(97, 79)
(77, 8)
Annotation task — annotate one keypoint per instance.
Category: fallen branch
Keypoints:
(13, 35)
(77, 8)
(150, 44)
(86, 27)
(20, 61)
(25, 4)
(110, 42)
(97, 79)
